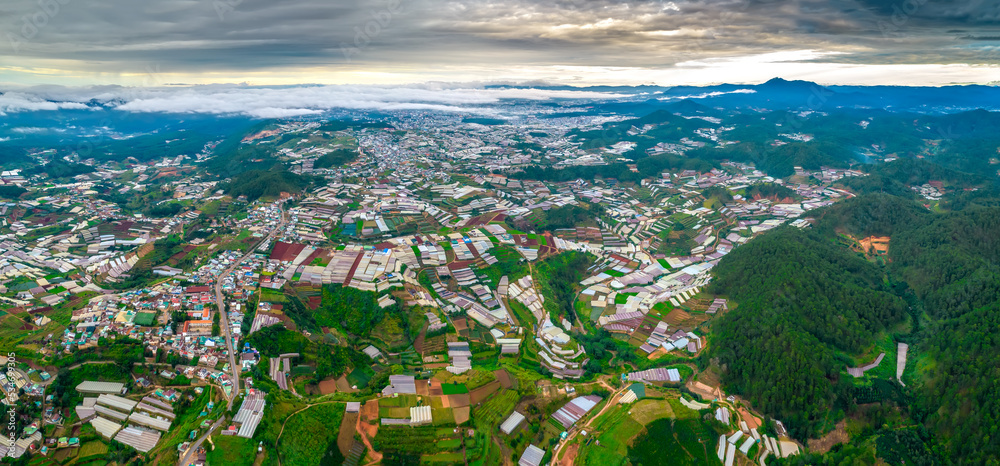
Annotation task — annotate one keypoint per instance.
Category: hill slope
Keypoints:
(802, 302)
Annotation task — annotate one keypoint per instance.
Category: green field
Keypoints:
(91, 448)
(232, 451)
(495, 409)
(145, 319)
(359, 377)
(310, 437)
(453, 388)
(443, 458)
(442, 416)
(622, 298)
(614, 430)
(676, 431)
(449, 444)
(669, 441)
(268, 295)
(432, 443)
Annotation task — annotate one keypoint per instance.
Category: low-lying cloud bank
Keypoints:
(280, 102)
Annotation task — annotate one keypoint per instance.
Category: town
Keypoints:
(422, 299)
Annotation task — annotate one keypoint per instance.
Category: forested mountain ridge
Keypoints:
(806, 300)
(960, 397)
(951, 261)
(870, 215)
(802, 301)
(257, 183)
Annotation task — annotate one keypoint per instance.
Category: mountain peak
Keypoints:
(784, 83)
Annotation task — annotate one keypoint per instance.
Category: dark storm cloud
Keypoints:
(193, 36)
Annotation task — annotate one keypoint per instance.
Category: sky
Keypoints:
(575, 42)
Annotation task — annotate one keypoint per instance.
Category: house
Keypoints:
(169, 395)
(192, 291)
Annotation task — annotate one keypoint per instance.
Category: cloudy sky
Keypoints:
(579, 42)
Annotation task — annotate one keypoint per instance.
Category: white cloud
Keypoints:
(284, 102)
(710, 94)
(760, 59)
(11, 102)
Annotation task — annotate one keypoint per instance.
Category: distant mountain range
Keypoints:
(779, 93)
(95, 117)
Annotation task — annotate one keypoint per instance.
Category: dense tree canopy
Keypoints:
(255, 184)
(951, 260)
(770, 191)
(353, 310)
(961, 396)
(803, 301)
(559, 277)
(336, 158)
(60, 169)
(645, 168)
(870, 215)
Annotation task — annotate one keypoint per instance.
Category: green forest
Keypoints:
(59, 169)
(336, 158)
(645, 168)
(255, 184)
(803, 302)
(558, 279)
(350, 309)
(567, 216)
(807, 303)
(326, 358)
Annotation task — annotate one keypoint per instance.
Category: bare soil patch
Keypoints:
(345, 438)
(418, 344)
(504, 378)
(752, 421)
(835, 437)
(569, 457)
(434, 389)
(455, 401)
(368, 427)
(461, 415)
(482, 393)
(676, 317)
(705, 391)
(328, 386)
(344, 386)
